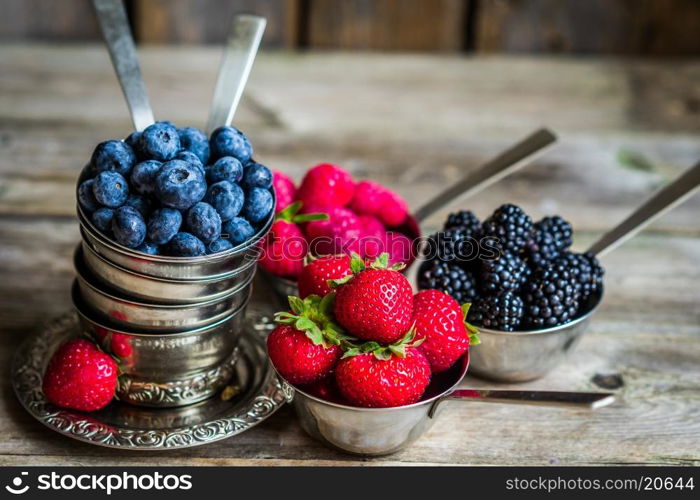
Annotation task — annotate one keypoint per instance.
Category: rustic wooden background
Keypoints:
(629, 27)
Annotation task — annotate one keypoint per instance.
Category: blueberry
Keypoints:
(160, 141)
(192, 159)
(102, 219)
(110, 189)
(180, 185)
(143, 176)
(185, 245)
(256, 175)
(128, 227)
(226, 198)
(113, 156)
(227, 168)
(86, 196)
(194, 140)
(237, 230)
(258, 204)
(229, 141)
(220, 245)
(133, 140)
(148, 248)
(141, 203)
(203, 222)
(163, 225)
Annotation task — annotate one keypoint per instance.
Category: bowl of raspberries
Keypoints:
(173, 203)
(531, 296)
(331, 213)
(362, 361)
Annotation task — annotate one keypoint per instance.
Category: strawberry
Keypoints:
(339, 234)
(325, 389)
(285, 190)
(380, 377)
(284, 248)
(315, 275)
(372, 237)
(374, 199)
(306, 345)
(80, 376)
(375, 303)
(440, 322)
(326, 185)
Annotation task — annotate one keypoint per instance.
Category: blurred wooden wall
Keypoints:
(630, 27)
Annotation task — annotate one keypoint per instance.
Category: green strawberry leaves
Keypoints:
(357, 265)
(384, 353)
(291, 214)
(314, 316)
(473, 331)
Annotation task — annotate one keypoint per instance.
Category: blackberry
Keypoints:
(498, 312)
(511, 226)
(551, 296)
(506, 273)
(457, 244)
(448, 277)
(586, 272)
(551, 236)
(463, 219)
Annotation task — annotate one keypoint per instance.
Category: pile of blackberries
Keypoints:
(517, 274)
(175, 191)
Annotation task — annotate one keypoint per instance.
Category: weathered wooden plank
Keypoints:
(209, 21)
(649, 27)
(387, 24)
(40, 20)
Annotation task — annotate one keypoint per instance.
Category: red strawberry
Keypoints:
(325, 389)
(439, 321)
(326, 185)
(384, 377)
(285, 190)
(284, 248)
(315, 275)
(305, 347)
(80, 376)
(339, 234)
(372, 237)
(374, 199)
(376, 303)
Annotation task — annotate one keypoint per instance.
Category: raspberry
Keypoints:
(326, 185)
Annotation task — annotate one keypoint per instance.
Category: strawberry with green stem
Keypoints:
(284, 248)
(372, 375)
(306, 345)
(375, 302)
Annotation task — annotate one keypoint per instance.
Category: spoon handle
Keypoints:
(591, 400)
(115, 28)
(663, 201)
(241, 48)
(504, 164)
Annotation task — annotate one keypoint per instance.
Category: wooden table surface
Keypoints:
(416, 123)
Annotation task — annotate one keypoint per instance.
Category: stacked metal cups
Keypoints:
(173, 322)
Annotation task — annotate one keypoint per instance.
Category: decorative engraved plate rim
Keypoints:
(27, 370)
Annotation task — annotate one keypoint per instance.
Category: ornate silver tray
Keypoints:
(258, 394)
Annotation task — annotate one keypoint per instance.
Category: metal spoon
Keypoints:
(239, 54)
(115, 28)
(509, 161)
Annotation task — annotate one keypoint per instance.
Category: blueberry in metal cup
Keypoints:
(196, 142)
(110, 189)
(229, 141)
(160, 141)
(128, 227)
(180, 185)
(113, 156)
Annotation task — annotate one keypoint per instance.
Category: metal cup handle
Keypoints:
(587, 400)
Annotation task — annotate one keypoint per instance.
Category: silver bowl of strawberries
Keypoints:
(370, 363)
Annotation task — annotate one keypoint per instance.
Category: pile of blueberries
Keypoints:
(175, 191)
